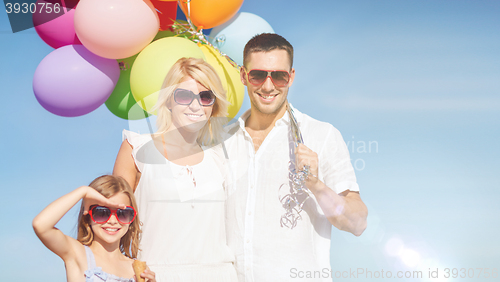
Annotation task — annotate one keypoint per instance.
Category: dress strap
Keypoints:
(164, 146)
(90, 258)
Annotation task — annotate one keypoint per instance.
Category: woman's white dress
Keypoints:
(182, 209)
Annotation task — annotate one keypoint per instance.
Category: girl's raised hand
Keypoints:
(92, 197)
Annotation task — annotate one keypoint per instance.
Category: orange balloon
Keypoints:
(209, 13)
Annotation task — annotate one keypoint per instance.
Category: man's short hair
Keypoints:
(266, 42)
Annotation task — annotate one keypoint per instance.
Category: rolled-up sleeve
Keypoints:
(335, 166)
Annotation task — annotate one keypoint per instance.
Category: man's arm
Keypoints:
(346, 210)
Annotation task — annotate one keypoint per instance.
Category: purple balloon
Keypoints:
(72, 81)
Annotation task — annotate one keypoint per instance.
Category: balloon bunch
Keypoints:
(119, 52)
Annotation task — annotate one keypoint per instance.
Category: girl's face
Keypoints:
(192, 117)
(111, 231)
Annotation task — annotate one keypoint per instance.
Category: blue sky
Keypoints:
(420, 80)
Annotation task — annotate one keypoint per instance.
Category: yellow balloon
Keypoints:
(229, 76)
(152, 65)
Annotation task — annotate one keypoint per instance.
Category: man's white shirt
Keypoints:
(264, 249)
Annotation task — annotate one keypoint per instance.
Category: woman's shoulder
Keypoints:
(216, 151)
(144, 150)
(217, 156)
(135, 139)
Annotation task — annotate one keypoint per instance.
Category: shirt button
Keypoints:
(248, 241)
(249, 213)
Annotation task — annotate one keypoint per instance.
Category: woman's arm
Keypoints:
(44, 223)
(125, 165)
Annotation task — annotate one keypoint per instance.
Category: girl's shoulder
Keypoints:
(77, 264)
(93, 270)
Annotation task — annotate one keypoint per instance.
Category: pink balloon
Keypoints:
(116, 29)
(56, 31)
(72, 81)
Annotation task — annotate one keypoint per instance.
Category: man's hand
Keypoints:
(345, 211)
(305, 157)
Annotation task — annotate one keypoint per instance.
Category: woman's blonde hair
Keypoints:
(108, 186)
(205, 74)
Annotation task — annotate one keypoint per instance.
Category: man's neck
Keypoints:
(259, 124)
(258, 121)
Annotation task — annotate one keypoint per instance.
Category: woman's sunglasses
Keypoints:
(101, 214)
(280, 78)
(186, 97)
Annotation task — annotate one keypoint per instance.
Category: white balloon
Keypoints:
(232, 36)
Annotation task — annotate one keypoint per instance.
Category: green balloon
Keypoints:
(121, 101)
(162, 34)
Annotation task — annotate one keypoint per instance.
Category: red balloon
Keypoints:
(167, 12)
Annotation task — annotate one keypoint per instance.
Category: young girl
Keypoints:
(108, 232)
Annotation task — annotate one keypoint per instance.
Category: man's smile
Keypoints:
(268, 97)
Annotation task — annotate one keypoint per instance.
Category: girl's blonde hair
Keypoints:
(205, 74)
(108, 186)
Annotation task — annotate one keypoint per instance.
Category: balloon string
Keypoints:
(197, 35)
(299, 193)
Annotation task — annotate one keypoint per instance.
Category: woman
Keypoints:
(179, 185)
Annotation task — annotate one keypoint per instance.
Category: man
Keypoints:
(269, 244)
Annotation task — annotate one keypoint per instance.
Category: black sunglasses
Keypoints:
(185, 97)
